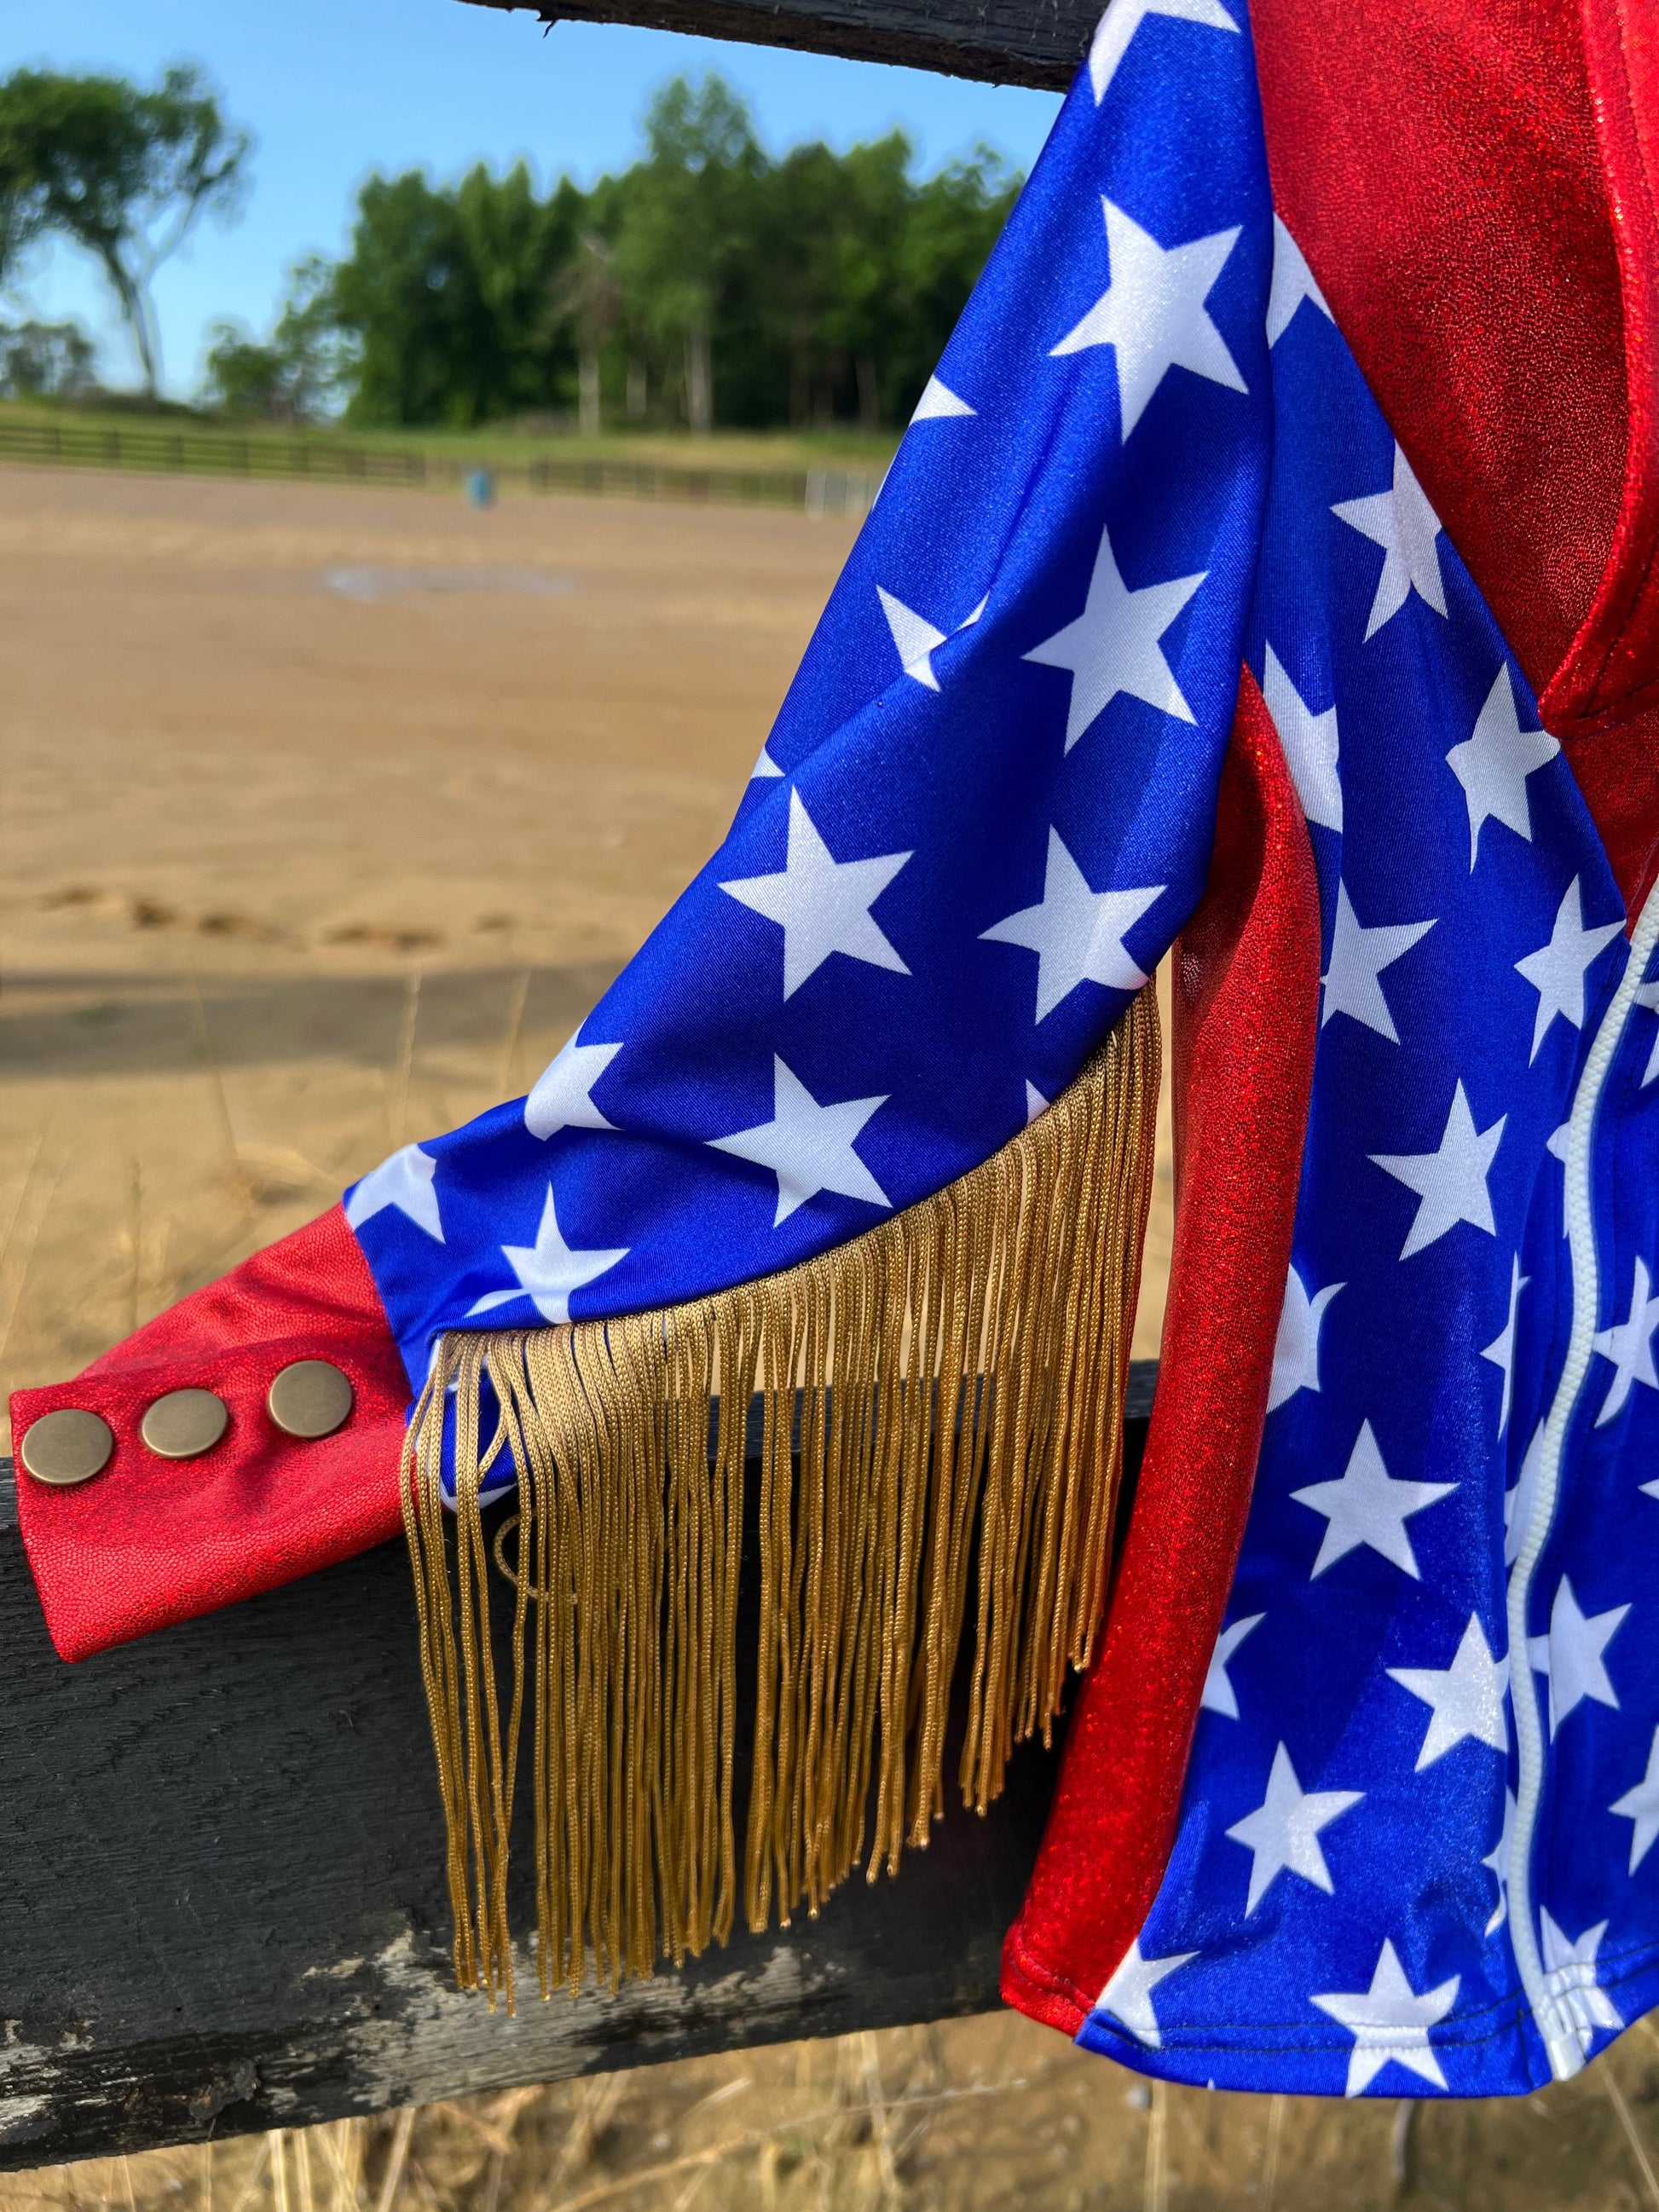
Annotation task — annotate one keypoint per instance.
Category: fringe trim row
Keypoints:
(943, 1434)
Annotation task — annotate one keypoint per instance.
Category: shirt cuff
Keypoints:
(155, 1536)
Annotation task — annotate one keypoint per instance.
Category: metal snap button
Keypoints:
(185, 1423)
(310, 1398)
(69, 1446)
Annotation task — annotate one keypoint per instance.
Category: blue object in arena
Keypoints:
(480, 488)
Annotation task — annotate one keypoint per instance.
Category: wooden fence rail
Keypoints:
(319, 460)
(223, 1904)
(1034, 42)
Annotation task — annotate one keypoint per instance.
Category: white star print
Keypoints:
(1367, 1506)
(1296, 1348)
(1450, 1182)
(1292, 283)
(1402, 521)
(405, 1182)
(1571, 1654)
(548, 1270)
(1358, 956)
(1518, 1501)
(1128, 1996)
(916, 639)
(1113, 646)
(1641, 1805)
(1125, 17)
(764, 768)
(1389, 2020)
(1310, 743)
(1648, 999)
(1496, 1861)
(1152, 314)
(1036, 1103)
(821, 904)
(1076, 933)
(1572, 1970)
(938, 401)
(914, 636)
(1557, 971)
(1501, 1350)
(807, 1147)
(1493, 764)
(1464, 1699)
(563, 1095)
(1219, 1695)
(1283, 1832)
(1629, 1345)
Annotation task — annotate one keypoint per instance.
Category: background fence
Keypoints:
(329, 461)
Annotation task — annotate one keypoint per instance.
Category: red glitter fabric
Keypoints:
(150, 1541)
(1474, 183)
(1246, 1019)
(1603, 701)
(1614, 665)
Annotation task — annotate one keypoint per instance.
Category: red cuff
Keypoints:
(150, 1540)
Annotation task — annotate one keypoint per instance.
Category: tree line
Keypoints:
(710, 283)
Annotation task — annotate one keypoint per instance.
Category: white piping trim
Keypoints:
(1554, 2019)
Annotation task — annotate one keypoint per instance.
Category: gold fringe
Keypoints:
(948, 1385)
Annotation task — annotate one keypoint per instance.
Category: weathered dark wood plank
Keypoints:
(222, 1905)
(1033, 42)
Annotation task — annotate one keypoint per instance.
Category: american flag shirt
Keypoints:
(1416, 1849)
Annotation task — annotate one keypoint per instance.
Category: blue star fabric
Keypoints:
(1416, 1852)
(952, 767)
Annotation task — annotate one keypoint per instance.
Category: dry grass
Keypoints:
(966, 2117)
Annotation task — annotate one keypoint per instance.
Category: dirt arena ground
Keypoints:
(325, 816)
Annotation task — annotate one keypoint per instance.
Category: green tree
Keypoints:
(865, 272)
(123, 173)
(866, 313)
(688, 220)
(955, 219)
(44, 360)
(801, 255)
(518, 248)
(450, 297)
(20, 208)
(590, 294)
(817, 288)
(406, 293)
(244, 377)
(297, 373)
(318, 358)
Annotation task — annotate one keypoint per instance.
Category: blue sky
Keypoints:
(334, 89)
